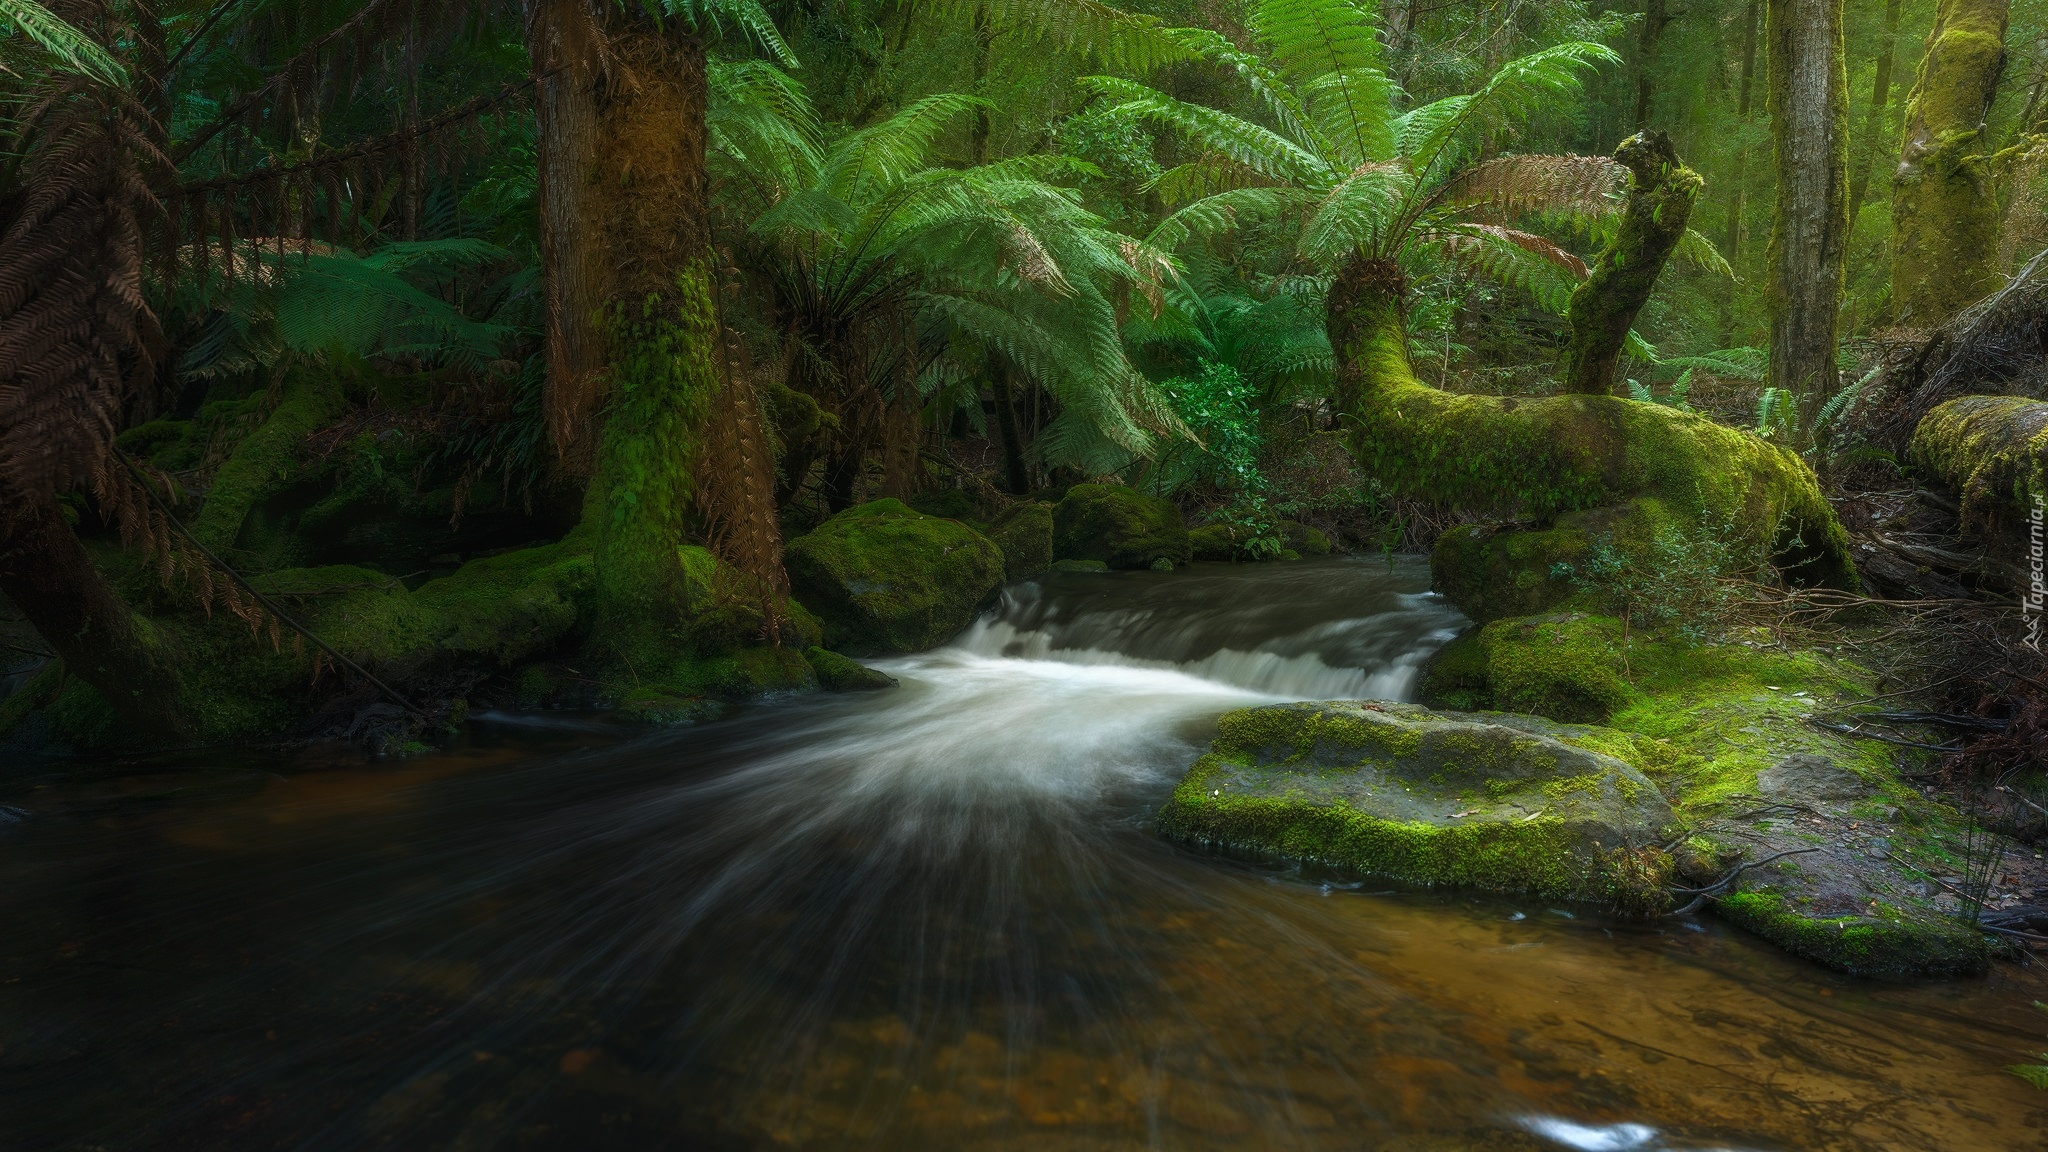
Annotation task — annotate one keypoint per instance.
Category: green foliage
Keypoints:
(1684, 579)
(34, 39)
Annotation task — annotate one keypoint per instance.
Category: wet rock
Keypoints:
(887, 579)
(1806, 778)
(839, 674)
(1024, 533)
(1507, 803)
(1119, 526)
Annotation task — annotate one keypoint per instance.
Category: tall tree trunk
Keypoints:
(1873, 121)
(1809, 106)
(565, 47)
(1016, 478)
(45, 571)
(1731, 245)
(1944, 208)
(648, 197)
(1661, 192)
(1656, 16)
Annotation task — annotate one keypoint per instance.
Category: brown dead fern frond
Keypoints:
(1468, 244)
(1511, 186)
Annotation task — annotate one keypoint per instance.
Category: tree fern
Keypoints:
(33, 39)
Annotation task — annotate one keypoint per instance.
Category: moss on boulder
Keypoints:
(1993, 450)
(1119, 526)
(1024, 533)
(1396, 790)
(1884, 942)
(1566, 667)
(840, 674)
(885, 578)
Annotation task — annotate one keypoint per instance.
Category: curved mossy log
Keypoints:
(1661, 191)
(1540, 459)
(1991, 449)
(308, 400)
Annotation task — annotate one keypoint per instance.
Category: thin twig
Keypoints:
(1699, 895)
(1858, 732)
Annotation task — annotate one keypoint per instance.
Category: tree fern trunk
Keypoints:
(1944, 207)
(45, 571)
(564, 44)
(1661, 192)
(1809, 106)
(648, 199)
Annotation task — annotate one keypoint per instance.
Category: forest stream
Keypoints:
(934, 917)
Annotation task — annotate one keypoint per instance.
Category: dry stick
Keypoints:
(1858, 733)
(1700, 895)
(268, 604)
(2023, 800)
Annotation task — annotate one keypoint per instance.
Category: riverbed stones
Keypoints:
(1491, 801)
(886, 578)
(1804, 777)
(1121, 527)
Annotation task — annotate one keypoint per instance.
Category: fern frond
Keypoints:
(886, 154)
(1512, 95)
(64, 48)
(1522, 259)
(1511, 186)
(1256, 147)
(1224, 212)
(748, 17)
(1356, 214)
(1125, 41)
(1205, 177)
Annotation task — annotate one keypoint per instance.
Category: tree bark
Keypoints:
(1809, 108)
(648, 197)
(45, 571)
(1873, 121)
(1016, 478)
(1731, 246)
(1656, 16)
(1944, 207)
(1661, 192)
(565, 46)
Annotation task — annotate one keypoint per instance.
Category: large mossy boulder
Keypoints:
(1024, 533)
(885, 578)
(1504, 803)
(1119, 526)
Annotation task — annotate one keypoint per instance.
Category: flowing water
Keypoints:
(930, 918)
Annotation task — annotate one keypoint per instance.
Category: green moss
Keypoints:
(1991, 449)
(840, 674)
(309, 398)
(664, 373)
(1119, 526)
(1945, 211)
(888, 579)
(1566, 668)
(1661, 192)
(1024, 533)
(1882, 945)
(31, 696)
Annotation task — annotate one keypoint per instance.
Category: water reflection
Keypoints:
(933, 918)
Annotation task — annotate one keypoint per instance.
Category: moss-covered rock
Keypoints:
(887, 579)
(1506, 804)
(1566, 667)
(1885, 942)
(839, 674)
(1024, 532)
(1119, 526)
(1490, 572)
(1303, 539)
(1993, 450)
(1212, 542)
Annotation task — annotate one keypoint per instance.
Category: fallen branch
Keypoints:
(1858, 732)
(1699, 895)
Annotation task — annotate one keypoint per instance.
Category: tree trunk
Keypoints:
(1944, 208)
(1809, 106)
(1016, 478)
(1873, 122)
(1731, 246)
(1661, 192)
(1655, 17)
(648, 199)
(565, 47)
(307, 401)
(45, 571)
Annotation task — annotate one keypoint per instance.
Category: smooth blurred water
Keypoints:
(929, 918)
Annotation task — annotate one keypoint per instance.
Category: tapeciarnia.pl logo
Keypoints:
(2037, 583)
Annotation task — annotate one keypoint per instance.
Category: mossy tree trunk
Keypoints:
(1809, 107)
(308, 398)
(647, 195)
(1873, 121)
(45, 571)
(1661, 192)
(1016, 477)
(1944, 208)
(1656, 16)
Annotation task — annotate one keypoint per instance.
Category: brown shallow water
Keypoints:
(934, 918)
